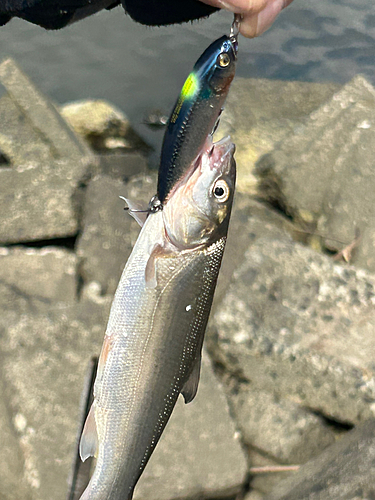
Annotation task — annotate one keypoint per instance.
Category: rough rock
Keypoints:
(249, 219)
(301, 327)
(285, 419)
(259, 113)
(44, 359)
(322, 175)
(199, 454)
(345, 470)
(40, 114)
(42, 164)
(39, 200)
(102, 125)
(109, 232)
(265, 482)
(254, 495)
(46, 275)
(20, 143)
(122, 166)
(12, 483)
(280, 428)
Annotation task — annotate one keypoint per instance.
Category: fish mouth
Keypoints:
(220, 154)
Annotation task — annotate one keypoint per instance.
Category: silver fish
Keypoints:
(153, 342)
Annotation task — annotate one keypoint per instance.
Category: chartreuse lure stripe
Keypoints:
(191, 86)
(188, 92)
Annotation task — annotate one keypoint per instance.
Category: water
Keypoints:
(139, 69)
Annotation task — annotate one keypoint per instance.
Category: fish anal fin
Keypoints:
(190, 388)
(89, 440)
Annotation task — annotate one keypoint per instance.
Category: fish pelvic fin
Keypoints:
(88, 444)
(190, 388)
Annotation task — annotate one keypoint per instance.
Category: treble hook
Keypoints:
(235, 28)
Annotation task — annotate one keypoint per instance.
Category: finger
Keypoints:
(253, 25)
(239, 6)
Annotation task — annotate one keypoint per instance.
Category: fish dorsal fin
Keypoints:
(89, 440)
(136, 210)
(191, 385)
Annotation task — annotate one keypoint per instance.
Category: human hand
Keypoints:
(257, 15)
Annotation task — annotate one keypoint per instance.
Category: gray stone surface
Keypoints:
(122, 166)
(259, 113)
(199, 454)
(44, 117)
(249, 219)
(109, 232)
(39, 200)
(254, 495)
(265, 482)
(45, 164)
(102, 125)
(19, 141)
(281, 429)
(344, 471)
(44, 358)
(284, 419)
(298, 325)
(323, 174)
(46, 275)
(270, 426)
(12, 483)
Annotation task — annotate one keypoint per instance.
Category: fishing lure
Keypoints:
(196, 113)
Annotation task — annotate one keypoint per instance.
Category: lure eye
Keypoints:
(223, 60)
(221, 191)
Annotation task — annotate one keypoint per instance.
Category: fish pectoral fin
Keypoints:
(158, 251)
(88, 444)
(150, 271)
(191, 385)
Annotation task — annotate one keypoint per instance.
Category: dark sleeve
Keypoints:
(51, 14)
(161, 12)
(55, 14)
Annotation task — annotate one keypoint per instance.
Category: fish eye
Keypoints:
(223, 59)
(221, 191)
